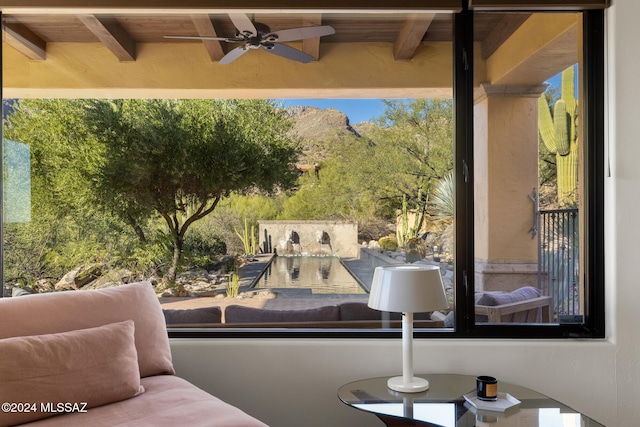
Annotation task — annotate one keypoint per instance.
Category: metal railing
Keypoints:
(558, 260)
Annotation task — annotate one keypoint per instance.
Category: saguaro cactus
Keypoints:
(560, 136)
(404, 231)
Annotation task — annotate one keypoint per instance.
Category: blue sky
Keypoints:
(556, 81)
(357, 110)
(365, 109)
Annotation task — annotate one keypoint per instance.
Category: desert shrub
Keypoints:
(203, 245)
(52, 245)
(388, 243)
(372, 228)
(151, 257)
(232, 212)
(24, 244)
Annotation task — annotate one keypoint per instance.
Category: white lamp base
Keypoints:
(416, 385)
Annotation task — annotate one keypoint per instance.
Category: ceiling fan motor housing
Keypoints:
(254, 35)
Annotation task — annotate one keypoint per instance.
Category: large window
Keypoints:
(537, 159)
(528, 167)
(253, 198)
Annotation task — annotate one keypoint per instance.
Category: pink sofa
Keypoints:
(97, 358)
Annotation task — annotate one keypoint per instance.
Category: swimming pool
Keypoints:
(320, 274)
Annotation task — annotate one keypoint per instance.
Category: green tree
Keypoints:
(401, 158)
(67, 228)
(348, 186)
(172, 158)
(415, 142)
(180, 158)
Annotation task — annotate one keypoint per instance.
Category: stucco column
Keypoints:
(506, 172)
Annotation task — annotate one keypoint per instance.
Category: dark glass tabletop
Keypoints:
(444, 404)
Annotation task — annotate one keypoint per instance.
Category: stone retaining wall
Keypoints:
(338, 238)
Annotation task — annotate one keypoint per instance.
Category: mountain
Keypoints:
(321, 129)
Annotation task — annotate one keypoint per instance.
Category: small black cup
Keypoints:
(486, 388)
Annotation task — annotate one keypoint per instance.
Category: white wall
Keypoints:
(294, 382)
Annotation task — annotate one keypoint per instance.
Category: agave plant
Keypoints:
(443, 199)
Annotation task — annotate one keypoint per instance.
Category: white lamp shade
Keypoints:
(408, 289)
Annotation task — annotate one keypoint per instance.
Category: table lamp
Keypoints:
(407, 289)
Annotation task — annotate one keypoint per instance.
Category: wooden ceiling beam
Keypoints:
(311, 46)
(204, 27)
(224, 6)
(25, 41)
(501, 33)
(411, 34)
(112, 35)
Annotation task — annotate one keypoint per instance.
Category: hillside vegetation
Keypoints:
(365, 172)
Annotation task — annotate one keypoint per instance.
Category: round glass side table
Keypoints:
(444, 404)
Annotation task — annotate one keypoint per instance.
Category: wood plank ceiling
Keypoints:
(30, 33)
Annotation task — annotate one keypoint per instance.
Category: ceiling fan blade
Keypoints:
(243, 24)
(303, 33)
(289, 53)
(233, 55)
(222, 39)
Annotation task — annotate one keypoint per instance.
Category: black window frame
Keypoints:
(593, 272)
(593, 325)
(465, 327)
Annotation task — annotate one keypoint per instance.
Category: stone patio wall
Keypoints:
(338, 238)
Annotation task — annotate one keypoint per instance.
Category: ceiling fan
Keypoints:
(254, 35)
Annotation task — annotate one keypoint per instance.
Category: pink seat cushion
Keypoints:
(84, 369)
(66, 311)
(167, 401)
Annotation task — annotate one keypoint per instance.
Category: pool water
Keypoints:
(321, 274)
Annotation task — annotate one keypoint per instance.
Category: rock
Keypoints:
(154, 280)
(430, 239)
(180, 291)
(112, 278)
(447, 240)
(411, 257)
(18, 292)
(43, 285)
(225, 264)
(78, 277)
(265, 295)
(193, 275)
(198, 288)
(6, 289)
(68, 281)
(87, 275)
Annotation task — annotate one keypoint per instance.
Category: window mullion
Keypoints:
(463, 166)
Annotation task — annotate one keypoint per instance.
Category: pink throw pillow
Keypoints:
(43, 375)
